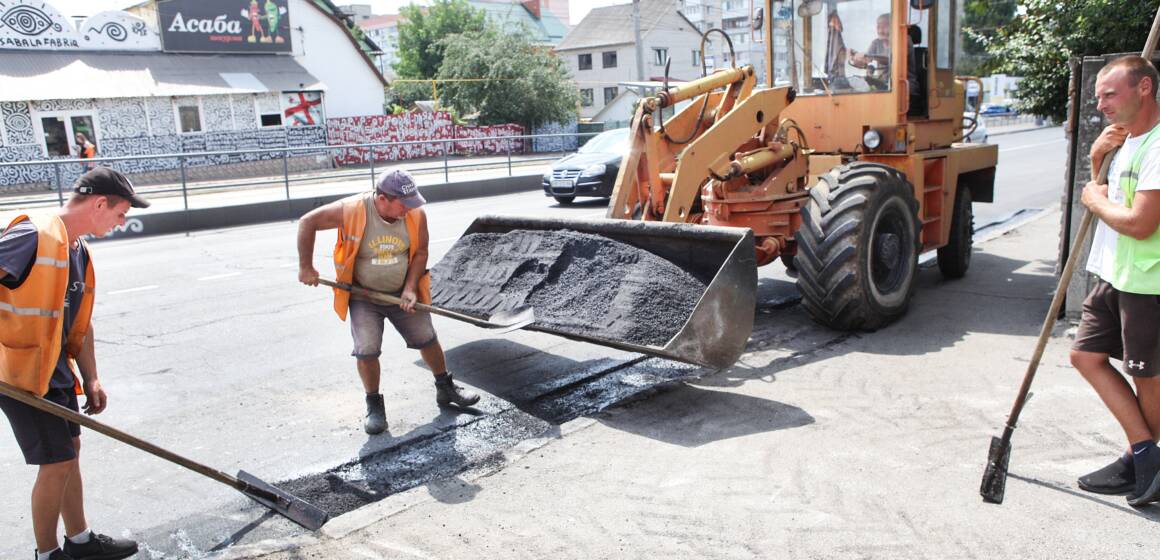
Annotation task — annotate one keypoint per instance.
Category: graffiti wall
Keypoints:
(555, 143)
(418, 128)
(145, 127)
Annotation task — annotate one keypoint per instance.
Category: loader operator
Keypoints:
(1121, 315)
(382, 245)
(46, 302)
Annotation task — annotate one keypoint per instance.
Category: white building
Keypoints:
(601, 50)
(736, 18)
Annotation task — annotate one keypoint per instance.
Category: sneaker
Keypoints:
(1147, 464)
(1119, 477)
(376, 420)
(447, 392)
(57, 554)
(100, 547)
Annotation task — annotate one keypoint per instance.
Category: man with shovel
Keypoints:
(382, 245)
(46, 302)
(1121, 315)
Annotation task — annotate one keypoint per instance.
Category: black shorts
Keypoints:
(1123, 325)
(45, 439)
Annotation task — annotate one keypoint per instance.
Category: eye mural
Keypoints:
(27, 20)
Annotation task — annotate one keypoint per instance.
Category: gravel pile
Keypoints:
(578, 283)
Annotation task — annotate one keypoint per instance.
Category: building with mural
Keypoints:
(176, 76)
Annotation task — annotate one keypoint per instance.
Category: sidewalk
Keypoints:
(816, 444)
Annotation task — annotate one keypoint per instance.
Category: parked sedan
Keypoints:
(590, 171)
(979, 134)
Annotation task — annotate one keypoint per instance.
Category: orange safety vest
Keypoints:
(354, 221)
(32, 316)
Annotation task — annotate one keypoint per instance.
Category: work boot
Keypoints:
(447, 392)
(1119, 477)
(100, 547)
(376, 420)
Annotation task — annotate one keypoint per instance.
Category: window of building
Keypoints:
(584, 61)
(660, 56)
(733, 4)
(189, 117)
(272, 119)
(696, 57)
(609, 59)
(586, 97)
(610, 94)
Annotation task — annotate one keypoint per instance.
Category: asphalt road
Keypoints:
(208, 346)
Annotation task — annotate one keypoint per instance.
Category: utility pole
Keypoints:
(636, 34)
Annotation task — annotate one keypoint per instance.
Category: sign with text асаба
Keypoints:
(225, 26)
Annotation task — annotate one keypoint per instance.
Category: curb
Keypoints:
(1017, 131)
(182, 221)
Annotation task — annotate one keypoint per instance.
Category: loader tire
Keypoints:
(858, 247)
(955, 257)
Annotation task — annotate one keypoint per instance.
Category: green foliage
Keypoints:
(422, 29)
(1038, 44)
(406, 93)
(506, 78)
(982, 19)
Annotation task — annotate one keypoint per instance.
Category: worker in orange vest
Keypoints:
(382, 245)
(47, 286)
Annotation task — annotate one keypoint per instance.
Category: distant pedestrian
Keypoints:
(46, 302)
(85, 149)
(382, 245)
(1121, 316)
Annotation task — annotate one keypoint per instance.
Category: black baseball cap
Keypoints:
(104, 180)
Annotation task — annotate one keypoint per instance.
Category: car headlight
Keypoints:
(871, 139)
(593, 170)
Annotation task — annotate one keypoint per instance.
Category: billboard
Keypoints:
(225, 26)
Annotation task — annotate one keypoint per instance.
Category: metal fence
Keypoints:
(63, 170)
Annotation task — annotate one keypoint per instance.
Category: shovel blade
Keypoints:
(514, 319)
(291, 507)
(994, 483)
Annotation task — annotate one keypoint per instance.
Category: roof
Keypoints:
(378, 22)
(104, 75)
(612, 25)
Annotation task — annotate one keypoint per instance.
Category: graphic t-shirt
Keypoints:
(17, 253)
(1102, 258)
(383, 254)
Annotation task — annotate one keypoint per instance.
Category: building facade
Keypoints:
(171, 77)
(601, 51)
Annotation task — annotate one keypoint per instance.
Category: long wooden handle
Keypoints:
(73, 416)
(392, 300)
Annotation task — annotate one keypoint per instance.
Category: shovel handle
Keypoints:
(393, 300)
(77, 418)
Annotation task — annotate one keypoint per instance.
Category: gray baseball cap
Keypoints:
(397, 183)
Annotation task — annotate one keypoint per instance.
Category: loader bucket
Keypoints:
(722, 258)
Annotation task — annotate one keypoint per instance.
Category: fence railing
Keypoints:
(63, 171)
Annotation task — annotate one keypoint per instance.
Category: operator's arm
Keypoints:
(417, 267)
(95, 398)
(323, 217)
(1139, 221)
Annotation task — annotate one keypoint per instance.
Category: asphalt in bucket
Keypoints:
(578, 283)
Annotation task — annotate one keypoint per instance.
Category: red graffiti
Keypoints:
(304, 106)
(421, 128)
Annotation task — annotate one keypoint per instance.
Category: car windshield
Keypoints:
(614, 141)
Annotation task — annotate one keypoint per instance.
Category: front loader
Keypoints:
(846, 166)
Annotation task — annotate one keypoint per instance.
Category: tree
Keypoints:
(1038, 44)
(422, 29)
(982, 19)
(506, 78)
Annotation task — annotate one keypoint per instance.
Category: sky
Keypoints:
(578, 8)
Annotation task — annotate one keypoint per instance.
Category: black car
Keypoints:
(590, 171)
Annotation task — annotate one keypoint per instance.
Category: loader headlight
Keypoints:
(871, 139)
(593, 170)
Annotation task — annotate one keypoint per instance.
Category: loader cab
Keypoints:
(876, 63)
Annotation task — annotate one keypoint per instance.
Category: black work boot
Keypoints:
(1119, 477)
(376, 420)
(100, 547)
(447, 392)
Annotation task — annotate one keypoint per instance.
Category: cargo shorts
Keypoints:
(1123, 325)
(366, 327)
(44, 439)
